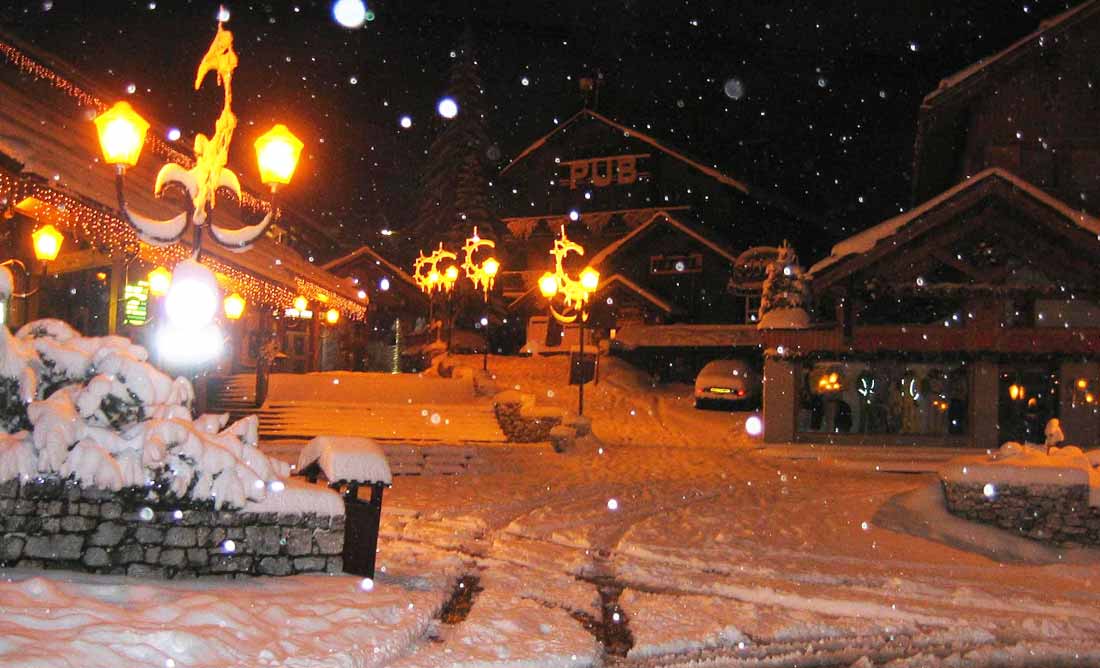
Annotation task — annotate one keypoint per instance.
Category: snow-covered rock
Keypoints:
(99, 413)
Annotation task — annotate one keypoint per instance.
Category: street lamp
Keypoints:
(122, 133)
(233, 306)
(482, 276)
(46, 241)
(574, 293)
(191, 301)
(430, 279)
(160, 279)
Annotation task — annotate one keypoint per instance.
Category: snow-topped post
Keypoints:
(784, 299)
(350, 462)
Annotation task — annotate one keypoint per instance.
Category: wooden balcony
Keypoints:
(939, 339)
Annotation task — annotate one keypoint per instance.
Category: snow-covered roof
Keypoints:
(634, 287)
(869, 238)
(631, 132)
(1056, 24)
(664, 215)
(367, 251)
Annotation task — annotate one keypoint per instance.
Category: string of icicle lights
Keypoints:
(104, 230)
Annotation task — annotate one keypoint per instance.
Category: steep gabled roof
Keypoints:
(641, 136)
(634, 287)
(887, 231)
(662, 215)
(976, 72)
(368, 252)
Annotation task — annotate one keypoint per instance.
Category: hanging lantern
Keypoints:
(234, 306)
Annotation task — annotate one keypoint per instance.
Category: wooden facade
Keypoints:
(396, 304)
(970, 320)
(1030, 109)
(51, 172)
(664, 230)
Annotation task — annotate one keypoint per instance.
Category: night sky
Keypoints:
(823, 106)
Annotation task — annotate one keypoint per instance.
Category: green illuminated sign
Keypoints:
(136, 299)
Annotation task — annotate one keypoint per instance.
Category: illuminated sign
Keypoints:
(135, 298)
(600, 172)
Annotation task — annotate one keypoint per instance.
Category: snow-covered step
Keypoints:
(450, 423)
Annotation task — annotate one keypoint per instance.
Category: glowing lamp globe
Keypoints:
(434, 277)
(491, 267)
(277, 152)
(233, 306)
(160, 279)
(193, 298)
(451, 273)
(332, 316)
(300, 303)
(548, 285)
(590, 279)
(121, 134)
(47, 243)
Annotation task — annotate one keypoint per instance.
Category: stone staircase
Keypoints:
(235, 395)
(388, 413)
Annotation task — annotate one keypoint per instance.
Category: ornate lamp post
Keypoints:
(482, 276)
(574, 294)
(121, 137)
(47, 244)
(430, 280)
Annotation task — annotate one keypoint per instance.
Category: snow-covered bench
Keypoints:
(350, 462)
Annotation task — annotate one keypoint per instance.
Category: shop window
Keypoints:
(884, 397)
(1028, 398)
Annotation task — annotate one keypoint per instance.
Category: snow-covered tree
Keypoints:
(785, 298)
(92, 409)
(454, 185)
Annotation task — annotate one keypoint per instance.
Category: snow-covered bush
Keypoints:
(784, 298)
(94, 410)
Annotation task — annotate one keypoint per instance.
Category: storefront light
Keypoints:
(47, 243)
(234, 306)
(160, 279)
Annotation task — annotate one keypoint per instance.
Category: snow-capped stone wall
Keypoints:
(521, 420)
(55, 523)
(1044, 493)
(1050, 513)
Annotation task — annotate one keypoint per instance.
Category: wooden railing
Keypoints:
(933, 339)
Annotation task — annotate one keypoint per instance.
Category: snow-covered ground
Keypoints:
(674, 542)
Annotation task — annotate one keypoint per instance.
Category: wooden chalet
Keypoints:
(666, 231)
(970, 320)
(1030, 109)
(974, 318)
(51, 172)
(398, 310)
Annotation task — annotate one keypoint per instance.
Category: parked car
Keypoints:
(733, 383)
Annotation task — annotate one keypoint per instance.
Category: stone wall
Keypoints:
(522, 421)
(51, 523)
(1051, 513)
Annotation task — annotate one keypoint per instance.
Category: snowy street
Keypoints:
(676, 542)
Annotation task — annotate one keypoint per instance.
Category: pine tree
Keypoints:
(454, 185)
(784, 300)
